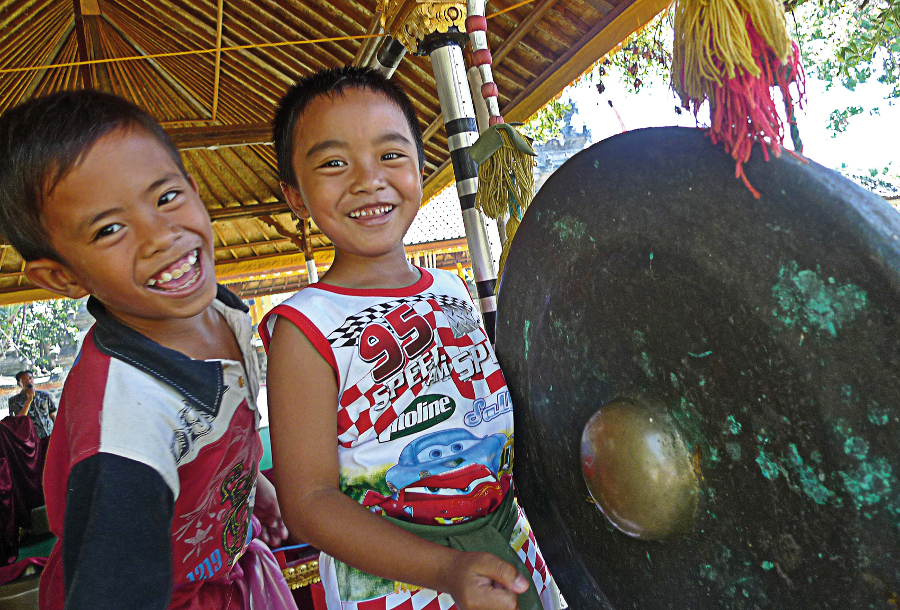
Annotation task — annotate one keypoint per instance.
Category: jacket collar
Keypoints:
(200, 382)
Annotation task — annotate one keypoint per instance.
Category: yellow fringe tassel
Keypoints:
(508, 174)
(711, 42)
(511, 226)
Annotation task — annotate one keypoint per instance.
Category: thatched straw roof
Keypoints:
(211, 72)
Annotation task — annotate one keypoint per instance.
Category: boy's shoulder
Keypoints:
(112, 351)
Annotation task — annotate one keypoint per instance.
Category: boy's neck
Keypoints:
(387, 272)
(205, 336)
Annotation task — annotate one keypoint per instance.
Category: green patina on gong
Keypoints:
(768, 333)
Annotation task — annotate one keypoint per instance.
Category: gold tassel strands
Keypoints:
(505, 177)
(508, 172)
(712, 44)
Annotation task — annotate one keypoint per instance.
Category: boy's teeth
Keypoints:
(177, 272)
(372, 212)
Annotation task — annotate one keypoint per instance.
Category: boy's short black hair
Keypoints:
(331, 82)
(41, 140)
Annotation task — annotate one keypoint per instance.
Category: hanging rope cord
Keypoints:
(245, 47)
(262, 45)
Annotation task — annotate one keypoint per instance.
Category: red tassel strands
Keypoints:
(735, 66)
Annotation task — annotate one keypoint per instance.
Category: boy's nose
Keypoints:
(159, 234)
(368, 177)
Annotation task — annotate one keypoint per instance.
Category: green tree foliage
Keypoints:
(39, 330)
(547, 123)
(850, 42)
(643, 57)
(884, 181)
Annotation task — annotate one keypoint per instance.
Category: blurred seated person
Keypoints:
(36, 404)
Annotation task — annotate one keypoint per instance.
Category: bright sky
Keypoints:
(871, 141)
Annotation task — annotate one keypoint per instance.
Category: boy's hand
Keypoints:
(481, 581)
(266, 509)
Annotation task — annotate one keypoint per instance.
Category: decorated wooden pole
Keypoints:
(505, 159)
(438, 29)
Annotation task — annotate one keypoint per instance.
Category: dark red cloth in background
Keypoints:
(13, 571)
(22, 455)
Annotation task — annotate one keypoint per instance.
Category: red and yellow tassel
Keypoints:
(732, 52)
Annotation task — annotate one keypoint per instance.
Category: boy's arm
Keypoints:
(116, 536)
(303, 399)
(266, 509)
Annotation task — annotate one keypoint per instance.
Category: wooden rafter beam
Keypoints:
(215, 103)
(523, 29)
(249, 211)
(86, 74)
(213, 136)
(297, 240)
(101, 71)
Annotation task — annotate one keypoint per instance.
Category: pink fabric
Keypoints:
(11, 572)
(255, 582)
(262, 583)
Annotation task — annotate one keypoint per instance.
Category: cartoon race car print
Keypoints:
(444, 477)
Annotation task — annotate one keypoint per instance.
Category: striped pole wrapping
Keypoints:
(476, 26)
(388, 57)
(311, 271)
(462, 131)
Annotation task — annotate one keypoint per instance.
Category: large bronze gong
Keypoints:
(764, 334)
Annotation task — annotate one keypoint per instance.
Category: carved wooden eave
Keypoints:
(212, 73)
(409, 21)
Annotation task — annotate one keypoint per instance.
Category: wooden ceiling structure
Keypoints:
(212, 72)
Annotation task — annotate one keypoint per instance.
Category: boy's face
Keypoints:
(132, 232)
(356, 164)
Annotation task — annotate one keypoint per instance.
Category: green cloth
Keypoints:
(490, 142)
(489, 534)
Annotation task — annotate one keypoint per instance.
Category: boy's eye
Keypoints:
(108, 230)
(390, 156)
(333, 163)
(167, 197)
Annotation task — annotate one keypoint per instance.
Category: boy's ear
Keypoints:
(55, 277)
(294, 200)
(193, 184)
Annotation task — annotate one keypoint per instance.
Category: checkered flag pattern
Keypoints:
(459, 313)
(417, 600)
(347, 334)
(355, 415)
(531, 556)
